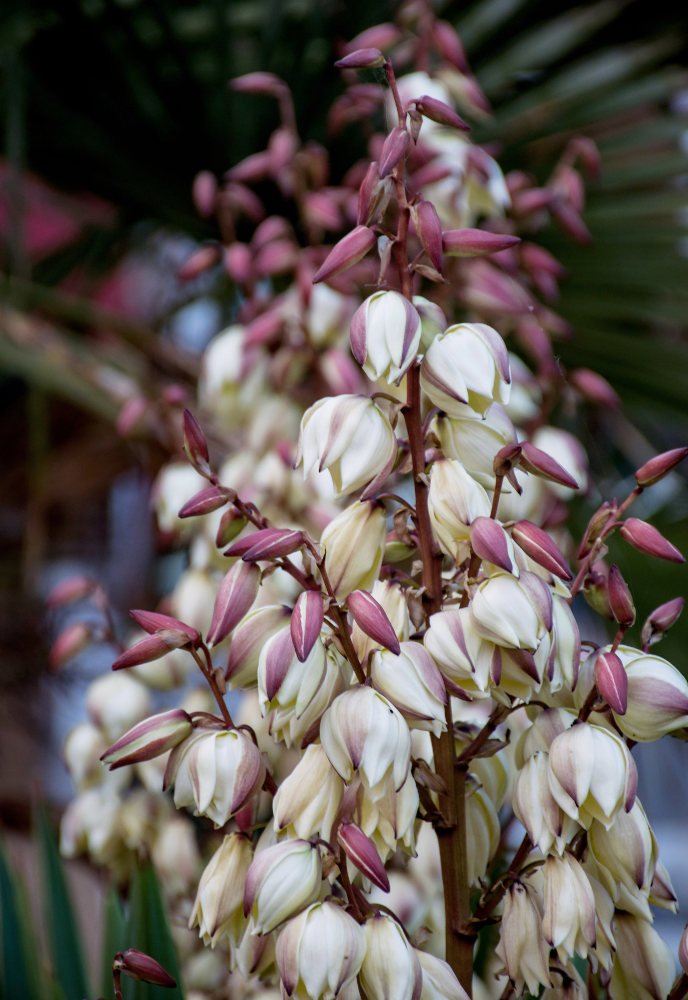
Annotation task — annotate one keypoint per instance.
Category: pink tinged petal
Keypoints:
(571, 761)
(357, 332)
(496, 666)
(361, 59)
(646, 538)
(280, 654)
(363, 853)
(475, 242)
(525, 660)
(152, 648)
(204, 502)
(306, 622)
(612, 681)
(438, 111)
(658, 467)
(540, 595)
(149, 739)
(497, 348)
(138, 965)
(539, 547)
(348, 251)
(393, 150)
(235, 595)
(274, 544)
(195, 443)
(154, 621)
(248, 773)
(539, 463)
(631, 783)
(683, 950)
(620, 600)
(666, 615)
(489, 542)
(429, 229)
(372, 618)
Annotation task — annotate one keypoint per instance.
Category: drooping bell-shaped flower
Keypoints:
(351, 438)
(468, 363)
(353, 544)
(219, 907)
(385, 334)
(455, 499)
(319, 952)
(281, 881)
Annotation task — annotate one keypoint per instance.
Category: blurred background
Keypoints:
(110, 108)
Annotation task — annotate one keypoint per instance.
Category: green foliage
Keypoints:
(142, 925)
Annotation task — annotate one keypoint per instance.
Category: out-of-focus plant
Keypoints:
(396, 667)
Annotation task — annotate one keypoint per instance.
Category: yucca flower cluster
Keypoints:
(392, 603)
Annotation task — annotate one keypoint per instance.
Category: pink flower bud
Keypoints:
(152, 647)
(380, 36)
(475, 242)
(235, 596)
(361, 59)
(646, 538)
(449, 45)
(620, 600)
(306, 622)
(363, 853)
(429, 229)
(539, 547)
(438, 111)
(259, 83)
(68, 644)
(348, 251)
(595, 388)
(202, 260)
(149, 739)
(231, 524)
(204, 193)
(393, 151)
(238, 261)
(154, 621)
(612, 682)
(373, 196)
(539, 463)
(273, 543)
(140, 966)
(255, 167)
(372, 619)
(489, 541)
(69, 590)
(658, 467)
(204, 502)
(195, 444)
(275, 258)
(660, 620)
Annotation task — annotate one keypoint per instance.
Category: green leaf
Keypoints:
(149, 931)
(62, 930)
(18, 947)
(115, 937)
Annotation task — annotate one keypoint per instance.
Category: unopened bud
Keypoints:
(595, 388)
(250, 635)
(475, 242)
(393, 151)
(612, 682)
(429, 229)
(438, 111)
(69, 590)
(238, 261)
(204, 193)
(152, 647)
(306, 622)
(596, 526)
(149, 739)
(371, 617)
(539, 547)
(273, 543)
(661, 619)
(646, 538)
(539, 463)
(235, 596)
(361, 59)
(658, 467)
(363, 853)
(200, 261)
(231, 523)
(154, 621)
(490, 542)
(348, 251)
(138, 965)
(259, 83)
(195, 444)
(506, 458)
(204, 502)
(449, 45)
(620, 600)
(68, 644)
